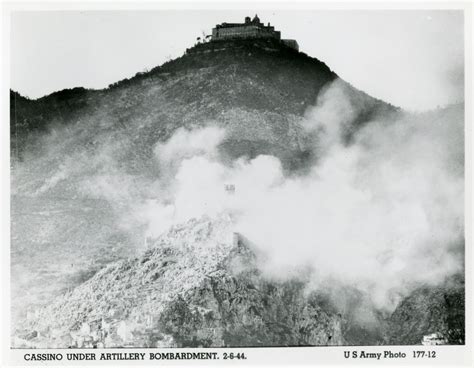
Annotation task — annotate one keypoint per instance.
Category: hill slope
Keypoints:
(198, 285)
(430, 310)
(257, 90)
(80, 157)
(85, 160)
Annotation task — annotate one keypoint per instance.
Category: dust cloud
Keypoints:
(382, 213)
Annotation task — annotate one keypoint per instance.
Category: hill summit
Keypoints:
(256, 87)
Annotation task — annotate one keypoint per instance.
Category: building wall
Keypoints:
(247, 31)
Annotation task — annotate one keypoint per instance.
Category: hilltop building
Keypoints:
(251, 28)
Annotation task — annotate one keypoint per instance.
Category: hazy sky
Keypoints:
(413, 59)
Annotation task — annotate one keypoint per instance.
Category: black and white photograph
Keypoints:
(253, 176)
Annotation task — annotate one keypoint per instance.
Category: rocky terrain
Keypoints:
(68, 146)
(82, 160)
(430, 310)
(198, 285)
(257, 90)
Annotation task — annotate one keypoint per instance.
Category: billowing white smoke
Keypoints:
(185, 144)
(380, 214)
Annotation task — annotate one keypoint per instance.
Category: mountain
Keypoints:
(83, 160)
(257, 89)
(74, 139)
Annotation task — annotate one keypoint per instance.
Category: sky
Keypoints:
(411, 58)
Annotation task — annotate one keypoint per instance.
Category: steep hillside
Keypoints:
(257, 90)
(430, 310)
(198, 285)
(73, 149)
(87, 169)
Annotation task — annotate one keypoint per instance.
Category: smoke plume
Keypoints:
(381, 214)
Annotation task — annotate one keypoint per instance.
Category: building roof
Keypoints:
(255, 22)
